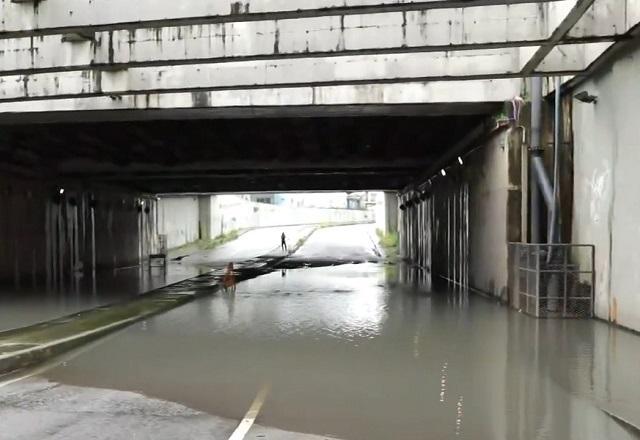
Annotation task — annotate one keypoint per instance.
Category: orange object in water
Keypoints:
(229, 279)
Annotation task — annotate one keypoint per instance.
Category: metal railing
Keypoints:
(552, 280)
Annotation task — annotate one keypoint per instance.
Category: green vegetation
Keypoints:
(205, 245)
(388, 241)
(219, 240)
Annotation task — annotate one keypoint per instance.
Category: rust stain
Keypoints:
(25, 85)
(111, 51)
(201, 99)
(236, 8)
(276, 43)
(341, 43)
(404, 28)
(98, 80)
(423, 24)
(32, 52)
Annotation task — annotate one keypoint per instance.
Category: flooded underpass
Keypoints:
(362, 350)
(32, 303)
(351, 352)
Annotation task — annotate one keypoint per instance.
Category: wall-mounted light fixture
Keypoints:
(460, 161)
(585, 97)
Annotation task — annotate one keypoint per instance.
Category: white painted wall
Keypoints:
(178, 218)
(606, 208)
(230, 212)
(488, 196)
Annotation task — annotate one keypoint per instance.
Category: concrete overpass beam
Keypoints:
(360, 69)
(566, 58)
(583, 19)
(429, 30)
(452, 96)
(607, 17)
(575, 57)
(58, 16)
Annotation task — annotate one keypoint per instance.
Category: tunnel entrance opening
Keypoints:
(236, 155)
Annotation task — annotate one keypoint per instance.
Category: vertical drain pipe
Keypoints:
(542, 185)
(554, 224)
(553, 288)
(536, 119)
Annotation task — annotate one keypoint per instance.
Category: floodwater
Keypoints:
(355, 352)
(28, 305)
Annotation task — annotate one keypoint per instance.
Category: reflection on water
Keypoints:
(368, 352)
(30, 305)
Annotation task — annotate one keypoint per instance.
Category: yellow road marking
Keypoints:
(250, 417)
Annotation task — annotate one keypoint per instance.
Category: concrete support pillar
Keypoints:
(204, 217)
(391, 212)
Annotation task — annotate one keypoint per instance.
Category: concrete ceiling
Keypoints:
(222, 155)
(163, 96)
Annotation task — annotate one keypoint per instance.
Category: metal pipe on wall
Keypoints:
(536, 120)
(544, 185)
(554, 226)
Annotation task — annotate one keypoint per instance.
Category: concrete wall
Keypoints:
(179, 219)
(462, 229)
(607, 186)
(45, 236)
(488, 205)
(389, 217)
(230, 212)
(22, 231)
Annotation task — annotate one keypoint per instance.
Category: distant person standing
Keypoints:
(283, 242)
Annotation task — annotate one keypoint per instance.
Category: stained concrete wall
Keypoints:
(22, 231)
(53, 238)
(179, 219)
(488, 206)
(461, 230)
(607, 186)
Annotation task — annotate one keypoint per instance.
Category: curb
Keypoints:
(11, 362)
(168, 299)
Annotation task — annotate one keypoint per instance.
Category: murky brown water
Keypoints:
(352, 353)
(26, 305)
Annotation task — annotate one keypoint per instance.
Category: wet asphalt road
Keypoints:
(342, 243)
(251, 244)
(357, 351)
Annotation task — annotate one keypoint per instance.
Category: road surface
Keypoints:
(251, 244)
(350, 352)
(354, 243)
